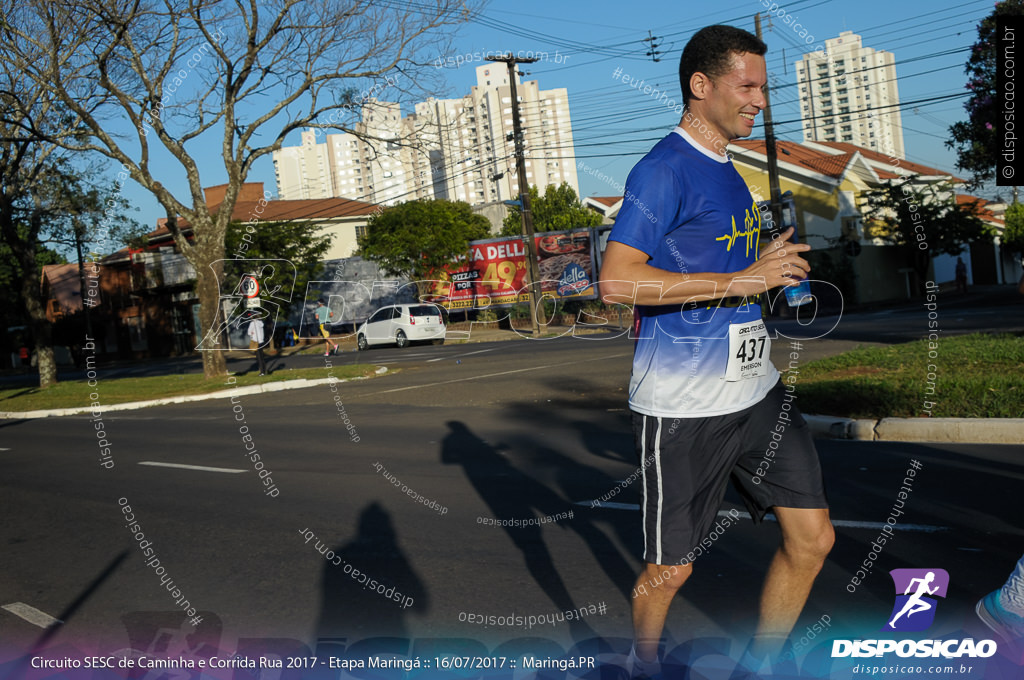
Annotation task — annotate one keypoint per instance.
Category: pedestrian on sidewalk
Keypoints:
(256, 336)
(323, 314)
(961, 275)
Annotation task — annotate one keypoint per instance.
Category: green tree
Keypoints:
(924, 220)
(1013, 235)
(159, 85)
(975, 139)
(301, 243)
(557, 210)
(13, 310)
(46, 203)
(418, 238)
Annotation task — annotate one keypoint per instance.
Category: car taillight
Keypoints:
(412, 320)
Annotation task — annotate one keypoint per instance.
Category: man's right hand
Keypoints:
(780, 264)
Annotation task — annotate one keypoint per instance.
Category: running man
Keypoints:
(707, 402)
(915, 604)
(322, 315)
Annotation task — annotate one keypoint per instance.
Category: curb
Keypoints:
(938, 430)
(298, 384)
(948, 430)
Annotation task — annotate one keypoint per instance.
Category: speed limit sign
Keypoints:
(249, 286)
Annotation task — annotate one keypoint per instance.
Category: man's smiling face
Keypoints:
(729, 103)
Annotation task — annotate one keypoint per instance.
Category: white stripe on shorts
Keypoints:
(657, 467)
(643, 476)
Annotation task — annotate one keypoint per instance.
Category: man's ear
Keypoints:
(700, 85)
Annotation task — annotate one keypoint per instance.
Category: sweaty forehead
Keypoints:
(746, 68)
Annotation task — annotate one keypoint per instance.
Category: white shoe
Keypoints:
(642, 670)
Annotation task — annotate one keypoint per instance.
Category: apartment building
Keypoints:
(849, 94)
(458, 149)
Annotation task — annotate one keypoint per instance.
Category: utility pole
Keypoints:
(653, 53)
(775, 204)
(532, 271)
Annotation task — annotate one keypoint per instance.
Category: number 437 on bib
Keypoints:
(749, 351)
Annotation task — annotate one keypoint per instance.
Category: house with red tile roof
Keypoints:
(148, 306)
(827, 181)
(605, 206)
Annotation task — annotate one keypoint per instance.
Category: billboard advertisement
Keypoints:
(494, 274)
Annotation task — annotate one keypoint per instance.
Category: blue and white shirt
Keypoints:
(688, 209)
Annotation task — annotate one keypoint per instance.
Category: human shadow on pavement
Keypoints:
(512, 495)
(369, 585)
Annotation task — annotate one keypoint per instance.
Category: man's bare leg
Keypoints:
(807, 538)
(652, 595)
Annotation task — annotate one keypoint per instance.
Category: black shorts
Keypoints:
(686, 463)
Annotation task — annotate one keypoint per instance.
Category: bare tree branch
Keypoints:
(180, 75)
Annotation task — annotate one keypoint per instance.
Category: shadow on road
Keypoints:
(370, 586)
(513, 495)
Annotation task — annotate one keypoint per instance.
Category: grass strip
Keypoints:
(966, 376)
(78, 393)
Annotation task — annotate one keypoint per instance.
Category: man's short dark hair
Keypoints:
(710, 52)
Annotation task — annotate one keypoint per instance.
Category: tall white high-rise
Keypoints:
(849, 94)
(459, 149)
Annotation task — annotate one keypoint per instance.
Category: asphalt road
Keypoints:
(503, 430)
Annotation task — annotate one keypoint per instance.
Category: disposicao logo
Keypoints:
(914, 610)
(916, 593)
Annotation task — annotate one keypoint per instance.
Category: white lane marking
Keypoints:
(849, 524)
(493, 375)
(479, 351)
(618, 506)
(610, 505)
(457, 356)
(3, 449)
(31, 614)
(189, 467)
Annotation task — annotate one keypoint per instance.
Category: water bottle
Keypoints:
(799, 294)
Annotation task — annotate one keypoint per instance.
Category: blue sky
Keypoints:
(614, 125)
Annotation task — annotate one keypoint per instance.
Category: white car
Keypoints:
(402, 324)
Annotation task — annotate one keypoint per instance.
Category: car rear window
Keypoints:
(424, 310)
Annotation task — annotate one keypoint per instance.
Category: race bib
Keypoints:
(749, 351)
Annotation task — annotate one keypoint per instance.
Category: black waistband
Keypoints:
(731, 301)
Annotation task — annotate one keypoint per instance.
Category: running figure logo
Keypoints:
(916, 590)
